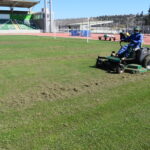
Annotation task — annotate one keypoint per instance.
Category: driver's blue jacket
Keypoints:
(136, 41)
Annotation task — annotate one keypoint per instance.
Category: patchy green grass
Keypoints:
(51, 97)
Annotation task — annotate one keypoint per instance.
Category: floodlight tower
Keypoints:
(45, 17)
(51, 17)
(48, 19)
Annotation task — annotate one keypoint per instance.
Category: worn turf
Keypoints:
(52, 97)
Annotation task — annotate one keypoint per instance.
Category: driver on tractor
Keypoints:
(135, 39)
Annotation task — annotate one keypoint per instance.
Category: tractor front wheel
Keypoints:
(120, 69)
(99, 63)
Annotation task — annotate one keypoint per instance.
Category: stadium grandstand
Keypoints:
(16, 21)
(92, 24)
(13, 21)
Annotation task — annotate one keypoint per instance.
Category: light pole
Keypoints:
(50, 10)
(45, 16)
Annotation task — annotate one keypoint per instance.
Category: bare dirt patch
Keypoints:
(57, 91)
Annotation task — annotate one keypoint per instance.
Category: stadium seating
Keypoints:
(18, 22)
(6, 25)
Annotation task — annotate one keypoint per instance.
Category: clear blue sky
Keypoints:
(92, 8)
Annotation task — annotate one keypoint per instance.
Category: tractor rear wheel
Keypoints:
(146, 62)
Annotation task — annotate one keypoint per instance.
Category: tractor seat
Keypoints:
(136, 49)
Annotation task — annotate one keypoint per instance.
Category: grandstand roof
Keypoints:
(19, 3)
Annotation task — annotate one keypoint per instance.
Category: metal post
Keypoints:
(87, 40)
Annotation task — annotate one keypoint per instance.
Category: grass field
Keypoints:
(52, 97)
